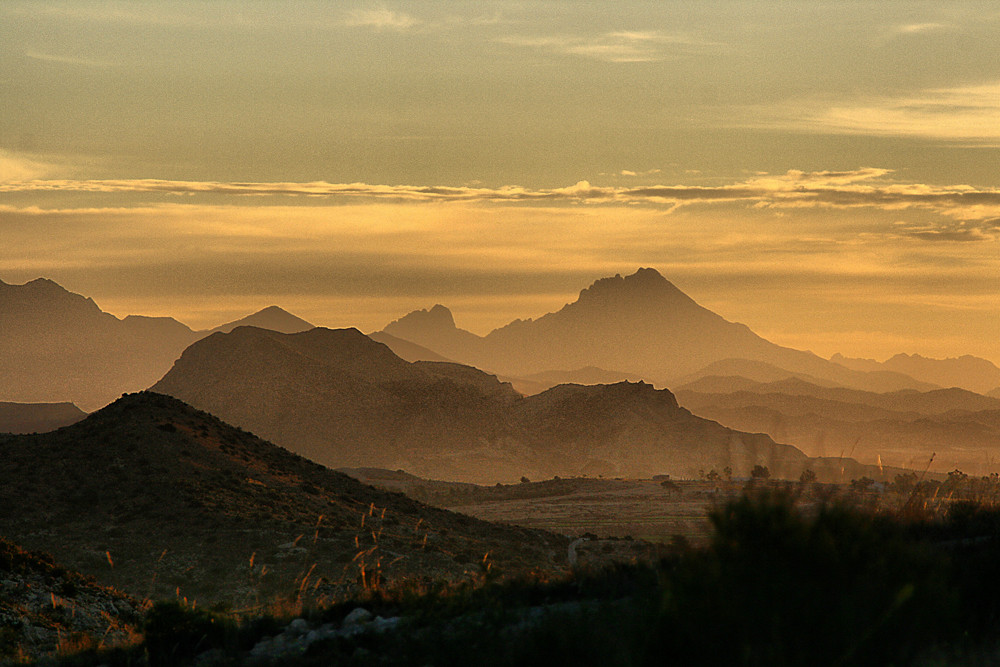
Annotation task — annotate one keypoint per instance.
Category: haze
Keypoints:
(824, 172)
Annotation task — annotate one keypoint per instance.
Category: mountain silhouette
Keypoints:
(404, 349)
(345, 400)
(58, 346)
(969, 372)
(957, 427)
(640, 324)
(150, 495)
(37, 417)
(272, 317)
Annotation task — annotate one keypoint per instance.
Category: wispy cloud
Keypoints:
(69, 60)
(618, 47)
(865, 187)
(15, 167)
(964, 114)
(381, 19)
(918, 28)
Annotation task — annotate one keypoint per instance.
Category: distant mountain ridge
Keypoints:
(59, 346)
(969, 372)
(345, 400)
(640, 324)
(956, 427)
(37, 417)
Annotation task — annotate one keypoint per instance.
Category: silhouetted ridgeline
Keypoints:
(37, 417)
(640, 325)
(59, 346)
(344, 400)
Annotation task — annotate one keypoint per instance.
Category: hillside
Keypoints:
(346, 401)
(641, 325)
(153, 496)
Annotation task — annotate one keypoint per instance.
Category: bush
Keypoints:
(777, 588)
(176, 632)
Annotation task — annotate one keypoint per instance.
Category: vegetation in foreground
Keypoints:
(832, 584)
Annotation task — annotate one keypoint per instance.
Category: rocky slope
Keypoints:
(45, 608)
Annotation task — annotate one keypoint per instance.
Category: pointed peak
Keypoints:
(645, 282)
(647, 274)
(45, 284)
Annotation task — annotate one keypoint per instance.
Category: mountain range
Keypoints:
(639, 326)
(973, 373)
(58, 346)
(956, 427)
(344, 400)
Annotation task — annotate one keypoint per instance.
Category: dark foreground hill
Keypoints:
(346, 401)
(157, 498)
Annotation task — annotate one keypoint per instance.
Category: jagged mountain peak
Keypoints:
(44, 293)
(438, 317)
(645, 283)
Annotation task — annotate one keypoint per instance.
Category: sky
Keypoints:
(827, 173)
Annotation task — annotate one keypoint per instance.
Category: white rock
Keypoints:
(357, 617)
(299, 626)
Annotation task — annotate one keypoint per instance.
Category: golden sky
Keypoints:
(826, 172)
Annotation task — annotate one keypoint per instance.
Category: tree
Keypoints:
(808, 476)
(760, 472)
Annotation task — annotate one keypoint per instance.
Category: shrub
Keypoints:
(176, 632)
(777, 588)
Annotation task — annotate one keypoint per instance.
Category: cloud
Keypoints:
(615, 47)
(918, 28)
(381, 19)
(960, 231)
(69, 60)
(965, 114)
(867, 187)
(648, 172)
(18, 167)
